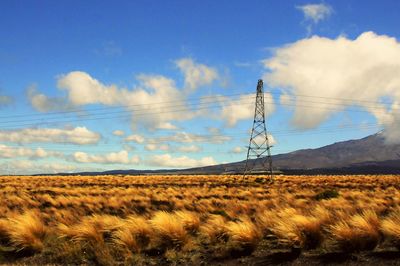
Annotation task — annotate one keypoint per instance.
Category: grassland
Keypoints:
(198, 220)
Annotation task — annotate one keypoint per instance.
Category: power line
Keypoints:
(146, 113)
(125, 106)
(74, 111)
(205, 137)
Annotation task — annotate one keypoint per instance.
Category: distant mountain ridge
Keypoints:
(341, 154)
(367, 155)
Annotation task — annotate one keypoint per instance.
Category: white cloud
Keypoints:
(243, 108)
(135, 138)
(286, 100)
(238, 149)
(121, 157)
(185, 137)
(154, 147)
(166, 160)
(260, 140)
(14, 152)
(166, 125)
(344, 72)
(5, 100)
(214, 130)
(43, 103)
(118, 133)
(191, 148)
(196, 75)
(155, 103)
(77, 135)
(31, 167)
(316, 12)
(83, 89)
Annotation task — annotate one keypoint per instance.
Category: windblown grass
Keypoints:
(358, 232)
(154, 219)
(243, 234)
(391, 228)
(169, 229)
(27, 232)
(135, 234)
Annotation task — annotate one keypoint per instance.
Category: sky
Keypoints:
(101, 85)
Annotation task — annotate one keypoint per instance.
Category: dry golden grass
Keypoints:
(190, 220)
(243, 233)
(391, 228)
(136, 215)
(169, 229)
(27, 231)
(134, 234)
(215, 228)
(358, 232)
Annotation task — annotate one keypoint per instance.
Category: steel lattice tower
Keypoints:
(259, 149)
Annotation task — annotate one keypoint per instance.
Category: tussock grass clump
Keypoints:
(190, 220)
(96, 228)
(27, 232)
(327, 194)
(391, 228)
(169, 229)
(134, 234)
(266, 220)
(4, 224)
(298, 230)
(214, 229)
(358, 232)
(243, 234)
(292, 228)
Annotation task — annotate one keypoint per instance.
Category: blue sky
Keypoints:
(168, 84)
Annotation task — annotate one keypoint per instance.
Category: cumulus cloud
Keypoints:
(243, 108)
(238, 149)
(260, 140)
(77, 135)
(121, 157)
(185, 137)
(154, 147)
(118, 133)
(14, 152)
(196, 75)
(190, 148)
(5, 100)
(166, 160)
(135, 138)
(344, 72)
(31, 167)
(82, 89)
(43, 103)
(316, 12)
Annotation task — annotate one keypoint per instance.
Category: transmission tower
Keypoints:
(258, 153)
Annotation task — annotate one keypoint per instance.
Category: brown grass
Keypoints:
(391, 228)
(134, 234)
(358, 232)
(27, 232)
(111, 218)
(243, 234)
(169, 229)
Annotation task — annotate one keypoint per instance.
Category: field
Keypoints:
(199, 220)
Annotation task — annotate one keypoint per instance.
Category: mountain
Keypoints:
(371, 154)
(341, 154)
(368, 155)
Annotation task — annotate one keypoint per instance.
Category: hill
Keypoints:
(368, 155)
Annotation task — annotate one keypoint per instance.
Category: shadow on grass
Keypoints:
(388, 255)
